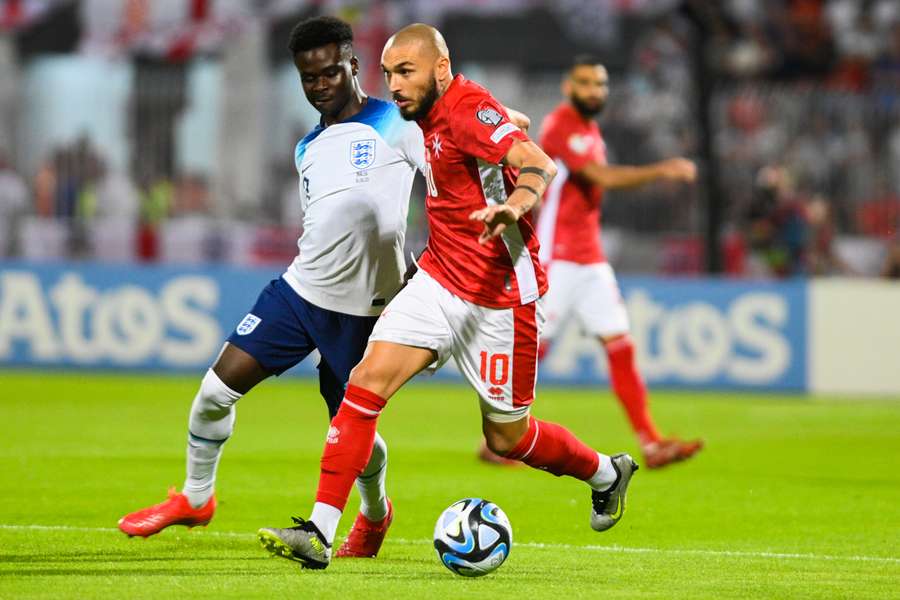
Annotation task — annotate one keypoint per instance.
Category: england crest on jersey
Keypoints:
(248, 324)
(362, 153)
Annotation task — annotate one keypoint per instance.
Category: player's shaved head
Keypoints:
(416, 64)
(429, 40)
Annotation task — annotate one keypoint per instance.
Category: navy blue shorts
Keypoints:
(283, 328)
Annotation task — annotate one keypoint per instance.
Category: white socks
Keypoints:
(372, 495)
(326, 517)
(605, 476)
(211, 424)
(202, 460)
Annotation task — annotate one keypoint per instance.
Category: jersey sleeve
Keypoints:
(298, 155)
(412, 146)
(564, 142)
(481, 128)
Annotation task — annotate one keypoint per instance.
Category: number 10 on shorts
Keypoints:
(494, 368)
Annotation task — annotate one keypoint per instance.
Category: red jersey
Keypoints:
(467, 133)
(569, 222)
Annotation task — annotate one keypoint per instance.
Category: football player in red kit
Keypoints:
(476, 298)
(582, 282)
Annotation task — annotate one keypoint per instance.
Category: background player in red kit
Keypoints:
(581, 281)
(475, 298)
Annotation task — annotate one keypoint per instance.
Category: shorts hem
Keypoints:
(404, 341)
(277, 372)
(491, 413)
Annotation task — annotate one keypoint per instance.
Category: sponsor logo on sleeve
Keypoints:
(503, 131)
(362, 153)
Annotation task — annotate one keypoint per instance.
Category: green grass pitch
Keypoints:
(792, 498)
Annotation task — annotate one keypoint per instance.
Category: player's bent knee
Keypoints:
(502, 438)
(386, 366)
(238, 369)
(499, 444)
(374, 375)
(212, 412)
(367, 376)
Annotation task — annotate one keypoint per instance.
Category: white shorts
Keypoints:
(590, 293)
(496, 350)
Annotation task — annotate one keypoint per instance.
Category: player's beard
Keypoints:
(586, 110)
(425, 104)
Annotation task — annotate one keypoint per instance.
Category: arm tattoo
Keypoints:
(528, 188)
(537, 171)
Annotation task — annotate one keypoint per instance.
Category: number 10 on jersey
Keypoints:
(429, 182)
(494, 368)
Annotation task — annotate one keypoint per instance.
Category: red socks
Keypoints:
(629, 387)
(546, 446)
(349, 445)
(553, 448)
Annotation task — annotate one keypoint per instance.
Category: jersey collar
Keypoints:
(453, 90)
(367, 109)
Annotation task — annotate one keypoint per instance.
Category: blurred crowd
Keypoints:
(79, 207)
(806, 126)
(808, 131)
(850, 44)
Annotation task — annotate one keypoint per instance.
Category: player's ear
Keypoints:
(354, 65)
(442, 68)
(566, 85)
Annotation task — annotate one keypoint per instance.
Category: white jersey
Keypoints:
(355, 181)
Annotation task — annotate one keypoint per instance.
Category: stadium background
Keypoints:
(145, 142)
(147, 193)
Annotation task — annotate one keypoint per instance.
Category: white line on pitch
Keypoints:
(589, 547)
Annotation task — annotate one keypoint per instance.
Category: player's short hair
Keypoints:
(319, 31)
(586, 60)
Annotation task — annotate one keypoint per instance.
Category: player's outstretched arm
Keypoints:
(620, 176)
(536, 171)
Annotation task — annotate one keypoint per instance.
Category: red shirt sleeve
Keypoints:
(566, 142)
(481, 128)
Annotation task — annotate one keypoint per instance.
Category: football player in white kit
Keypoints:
(356, 171)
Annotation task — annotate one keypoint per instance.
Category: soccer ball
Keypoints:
(472, 537)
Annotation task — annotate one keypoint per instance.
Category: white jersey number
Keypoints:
(429, 181)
